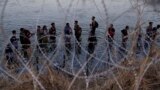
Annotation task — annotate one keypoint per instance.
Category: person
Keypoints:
(14, 39)
(94, 24)
(139, 40)
(92, 41)
(67, 29)
(52, 33)
(45, 37)
(25, 41)
(68, 32)
(78, 31)
(67, 39)
(110, 34)
(149, 34)
(25, 38)
(149, 31)
(155, 31)
(9, 55)
(124, 36)
(38, 33)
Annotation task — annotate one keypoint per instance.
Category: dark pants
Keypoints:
(110, 41)
(93, 30)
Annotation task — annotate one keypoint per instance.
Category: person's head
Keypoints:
(93, 17)
(67, 24)
(14, 32)
(53, 24)
(44, 27)
(158, 26)
(150, 23)
(111, 25)
(127, 27)
(76, 22)
(38, 27)
(21, 29)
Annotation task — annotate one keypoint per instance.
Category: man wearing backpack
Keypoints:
(93, 25)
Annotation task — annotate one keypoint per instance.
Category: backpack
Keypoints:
(96, 24)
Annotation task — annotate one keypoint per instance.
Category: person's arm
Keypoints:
(54, 30)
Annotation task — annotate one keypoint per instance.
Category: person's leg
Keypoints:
(93, 31)
(8, 59)
(25, 53)
(29, 52)
(110, 41)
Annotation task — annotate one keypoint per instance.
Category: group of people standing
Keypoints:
(111, 34)
(47, 37)
(151, 34)
(151, 31)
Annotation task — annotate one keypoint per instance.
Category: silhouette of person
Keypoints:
(94, 24)
(67, 33)
(52, 33)
(111, 33)
(78, 31)
(124, 36)
(14, 39)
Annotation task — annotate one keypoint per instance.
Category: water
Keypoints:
(30, 13)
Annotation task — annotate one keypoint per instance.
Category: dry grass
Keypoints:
(144, 76)
(53, 80)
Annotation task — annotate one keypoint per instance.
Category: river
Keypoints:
(30, 13)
